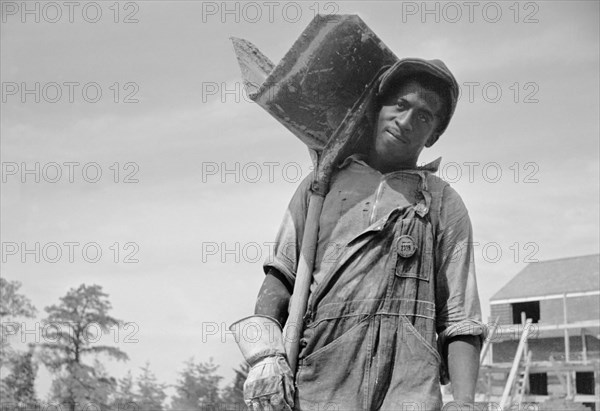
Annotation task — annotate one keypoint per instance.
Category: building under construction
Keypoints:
(546, 344)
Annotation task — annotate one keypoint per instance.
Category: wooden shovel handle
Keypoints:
(294, 324)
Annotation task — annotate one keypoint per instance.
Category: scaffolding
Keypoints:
(506, 386)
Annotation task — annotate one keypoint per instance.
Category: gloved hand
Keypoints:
(270, 385)
(270, 382)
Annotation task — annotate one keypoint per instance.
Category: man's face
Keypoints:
(406, 123)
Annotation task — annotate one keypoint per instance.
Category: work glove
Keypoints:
(270, 382)
(270, 385)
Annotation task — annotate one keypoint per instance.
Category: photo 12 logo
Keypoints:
(252, 172)
(253, 252)
(489, 172)
(493, 252)
(68, 252)
(470, 11)
(69, 12)
(69, 92)
(493, 92)
(266, 11)
(54, 331)
(120, 405)
(69, 171)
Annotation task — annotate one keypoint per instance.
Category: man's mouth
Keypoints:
(395, 135)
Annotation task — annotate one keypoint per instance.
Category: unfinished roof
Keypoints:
(565, 275)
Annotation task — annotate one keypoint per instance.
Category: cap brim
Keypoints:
(408, 66)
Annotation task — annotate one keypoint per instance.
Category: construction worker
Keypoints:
(393, 307)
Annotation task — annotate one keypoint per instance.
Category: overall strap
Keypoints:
(435, 187)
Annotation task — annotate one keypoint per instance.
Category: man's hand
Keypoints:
(270, 385)
(270, 382)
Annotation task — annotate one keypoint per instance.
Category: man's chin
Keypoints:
(391, 154)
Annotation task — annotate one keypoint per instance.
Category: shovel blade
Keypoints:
(254, 65)
(319, 80)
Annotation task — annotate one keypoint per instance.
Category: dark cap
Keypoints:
(411, 66)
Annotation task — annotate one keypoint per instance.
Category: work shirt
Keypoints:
(393, 278)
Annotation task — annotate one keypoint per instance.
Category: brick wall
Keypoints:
(504, 311)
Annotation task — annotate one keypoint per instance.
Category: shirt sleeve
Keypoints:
(286, 250)
(458, 311)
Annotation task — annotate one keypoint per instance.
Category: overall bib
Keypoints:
(369, 339)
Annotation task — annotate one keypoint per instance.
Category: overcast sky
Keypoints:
(190, 151)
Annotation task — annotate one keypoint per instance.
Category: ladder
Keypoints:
(523, 381)
(524, 376)
(488, 341)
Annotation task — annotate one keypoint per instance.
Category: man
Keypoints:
(393, 302)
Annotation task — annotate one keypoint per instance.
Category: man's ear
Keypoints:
(432, 139)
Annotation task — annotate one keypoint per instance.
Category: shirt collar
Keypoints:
(431, 167)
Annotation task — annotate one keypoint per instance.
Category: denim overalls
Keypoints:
(370, 330)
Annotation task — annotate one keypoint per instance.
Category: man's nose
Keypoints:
(404, 120)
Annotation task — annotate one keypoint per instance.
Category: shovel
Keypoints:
(322, 91)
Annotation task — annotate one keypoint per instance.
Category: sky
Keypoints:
(134, 160)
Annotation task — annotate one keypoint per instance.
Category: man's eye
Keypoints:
(423, 118)
(401, 105)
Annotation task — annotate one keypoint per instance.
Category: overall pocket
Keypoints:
(335, 373)
(414, 383)
(413, 338)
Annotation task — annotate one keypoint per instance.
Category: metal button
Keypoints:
(406, 246)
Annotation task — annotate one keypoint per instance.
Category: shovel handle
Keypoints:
(293, 326)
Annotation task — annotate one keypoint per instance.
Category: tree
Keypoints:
(146, 394)
(83, 387)
(18, 387)
(17, 384)
(233, 395)
(197, 387)
(71, 329)
(151, 395)
(12, 306)
(125, 398)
